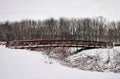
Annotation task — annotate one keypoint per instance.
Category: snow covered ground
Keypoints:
(102, 59)
(24, 64)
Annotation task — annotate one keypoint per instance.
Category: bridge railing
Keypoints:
(60, 43)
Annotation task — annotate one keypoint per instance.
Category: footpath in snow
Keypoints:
(24, 64)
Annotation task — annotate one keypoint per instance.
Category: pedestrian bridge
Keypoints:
(58, 43)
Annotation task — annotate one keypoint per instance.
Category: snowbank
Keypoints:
(24, 64)
(107, 59)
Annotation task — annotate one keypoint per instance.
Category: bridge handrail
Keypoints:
(44, 42)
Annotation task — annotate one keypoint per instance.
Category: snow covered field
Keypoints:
(24, 64)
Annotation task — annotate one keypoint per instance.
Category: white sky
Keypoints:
(42, 9)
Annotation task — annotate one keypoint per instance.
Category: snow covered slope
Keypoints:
(103, 59)
(24, 64)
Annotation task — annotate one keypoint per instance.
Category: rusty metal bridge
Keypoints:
(57, 43)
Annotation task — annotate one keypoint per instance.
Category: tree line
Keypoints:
(88, 29)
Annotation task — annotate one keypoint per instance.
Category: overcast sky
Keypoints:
(42, 9)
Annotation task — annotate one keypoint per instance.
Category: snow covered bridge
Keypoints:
(58, 43)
